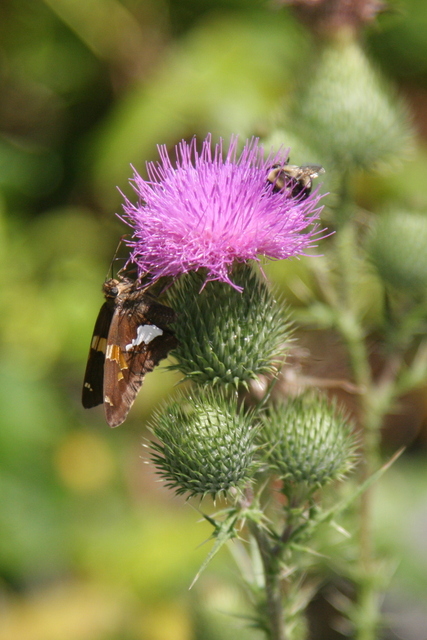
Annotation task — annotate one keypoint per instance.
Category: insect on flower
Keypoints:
(130, 337)
(214, 207)
(297, 180)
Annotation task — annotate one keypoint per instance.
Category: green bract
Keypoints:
(206, 444)
(307, 441)
(225, 336)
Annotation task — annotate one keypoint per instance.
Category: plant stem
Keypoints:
(372, 411)
(273, 594)
(375, 402)
(367, 616)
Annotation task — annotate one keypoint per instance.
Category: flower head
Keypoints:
(226, 338)
(206, 444)
(210, 211)
(308, 441)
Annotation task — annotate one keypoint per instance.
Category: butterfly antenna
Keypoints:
(114, 258)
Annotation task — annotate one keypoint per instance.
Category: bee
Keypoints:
(295, 180)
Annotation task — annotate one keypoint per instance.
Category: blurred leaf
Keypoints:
(155, 551)
(70, 611)
(401, 499)
(84, 461)
(56, 284)
(224, 76)
(110, 30)
(400, 43)
(28, 169)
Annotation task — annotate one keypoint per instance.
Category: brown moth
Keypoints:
(130, 337)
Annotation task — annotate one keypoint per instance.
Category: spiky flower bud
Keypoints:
(307, 441)
(349, 113)
(206, 444)
(397, 248)
(226, 336)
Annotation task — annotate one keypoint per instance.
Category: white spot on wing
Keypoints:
(144, 334)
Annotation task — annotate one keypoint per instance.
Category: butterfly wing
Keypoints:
(92, 393)
(135, 346)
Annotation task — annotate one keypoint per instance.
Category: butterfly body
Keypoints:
(130, 337)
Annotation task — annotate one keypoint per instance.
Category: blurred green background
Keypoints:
(92, 547)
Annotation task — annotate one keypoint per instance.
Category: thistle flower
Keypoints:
(210, 211)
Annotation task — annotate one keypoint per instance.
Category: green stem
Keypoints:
(367, 615)
(375, 401)
(273, 594)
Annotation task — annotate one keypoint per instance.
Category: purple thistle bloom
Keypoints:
(209, 212)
